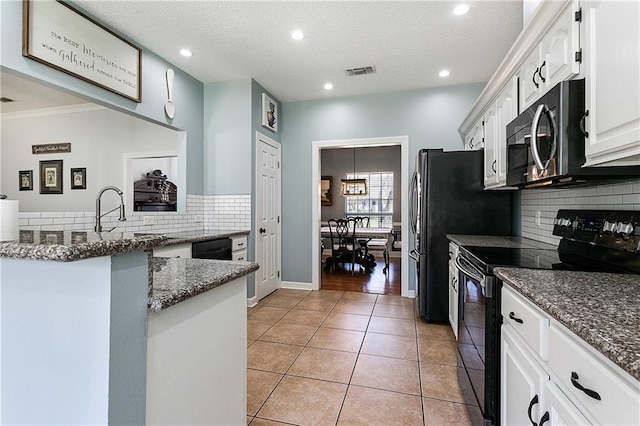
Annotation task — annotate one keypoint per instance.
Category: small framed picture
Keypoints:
(326, 189)
(25, 180)
(270, 115)
(51, 177)
(79, 178)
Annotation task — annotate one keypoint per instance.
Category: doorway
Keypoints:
(317, 146)
(268, 226)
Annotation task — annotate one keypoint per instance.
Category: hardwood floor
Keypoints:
(375, 282)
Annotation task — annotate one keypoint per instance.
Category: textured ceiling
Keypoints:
(408, 42)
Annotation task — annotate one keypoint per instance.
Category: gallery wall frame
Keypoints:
(25, 180)
(79, 178)
(51, 177)
(270, 115)
(59, 36)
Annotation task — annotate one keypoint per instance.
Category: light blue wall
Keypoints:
(429, 117)
(232, 111)
(187, 94)
(227, 150)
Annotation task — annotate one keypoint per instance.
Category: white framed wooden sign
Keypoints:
(55, 34)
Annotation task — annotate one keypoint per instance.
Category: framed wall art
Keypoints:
(79, 178)
(51, 177)
(25, 180)
(57, 35)
(270, 115)
(326, 190)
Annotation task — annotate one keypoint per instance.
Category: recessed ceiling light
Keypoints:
(328, 86)
(444, 73)
(297, 35)
(186, 52)
(461, 9)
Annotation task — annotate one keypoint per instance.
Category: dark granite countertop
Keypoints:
(498, 241)
(67, 246)
(601, 308)
(174, 238)
(175, 279)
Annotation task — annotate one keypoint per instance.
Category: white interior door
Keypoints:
(268, 228)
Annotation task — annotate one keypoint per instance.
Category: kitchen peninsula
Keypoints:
(97, 331)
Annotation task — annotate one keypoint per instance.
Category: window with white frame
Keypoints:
(377, 204)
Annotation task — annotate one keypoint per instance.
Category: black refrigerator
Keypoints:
(447, 197)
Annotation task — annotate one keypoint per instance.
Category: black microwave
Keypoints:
(546, 142)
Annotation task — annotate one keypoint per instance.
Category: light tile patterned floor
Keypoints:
(344, 358)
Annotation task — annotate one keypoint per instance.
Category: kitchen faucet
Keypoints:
(98, 227)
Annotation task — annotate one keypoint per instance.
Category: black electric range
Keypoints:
(592, 240)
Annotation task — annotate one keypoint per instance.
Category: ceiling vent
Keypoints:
(360, 71)
(6, 100)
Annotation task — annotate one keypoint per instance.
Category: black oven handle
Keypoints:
(470, 270)
(542, 108)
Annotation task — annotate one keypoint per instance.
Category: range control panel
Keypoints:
(616, 229)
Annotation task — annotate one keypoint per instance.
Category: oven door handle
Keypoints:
(470, 270)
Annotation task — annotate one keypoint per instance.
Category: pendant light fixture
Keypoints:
(353, 187)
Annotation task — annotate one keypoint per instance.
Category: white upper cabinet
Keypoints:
(502, 112)
(556, 58)
(475, 138)
(490, 142)
(612, 72)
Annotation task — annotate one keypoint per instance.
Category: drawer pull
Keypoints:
(533, 402)
(577, 385)
(515, 318)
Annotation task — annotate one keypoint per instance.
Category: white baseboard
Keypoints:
(252, 301)
(410, 294)
(296, 285)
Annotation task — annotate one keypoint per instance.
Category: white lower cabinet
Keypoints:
(522, 383)
(239, 248)
(454, 298)
(576, 385)
(561, 410)
(179, 250)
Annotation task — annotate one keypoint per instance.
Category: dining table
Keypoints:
(366, 233)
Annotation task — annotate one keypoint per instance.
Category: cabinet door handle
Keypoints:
(262, 230)
(582, 129)
(513, 317)
(533, 402)
(493, 166)
(577, 385)
(471, 143)
(534, 78)
(544, 418)
(540, 71)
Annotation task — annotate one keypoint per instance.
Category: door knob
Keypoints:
(262, 230)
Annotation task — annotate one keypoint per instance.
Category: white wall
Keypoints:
(99, 137)
(620, 196)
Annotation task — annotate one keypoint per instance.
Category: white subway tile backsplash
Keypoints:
(621, 196)
(217, 212)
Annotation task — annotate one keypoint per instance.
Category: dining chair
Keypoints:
(375, 243)
(343, 248)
